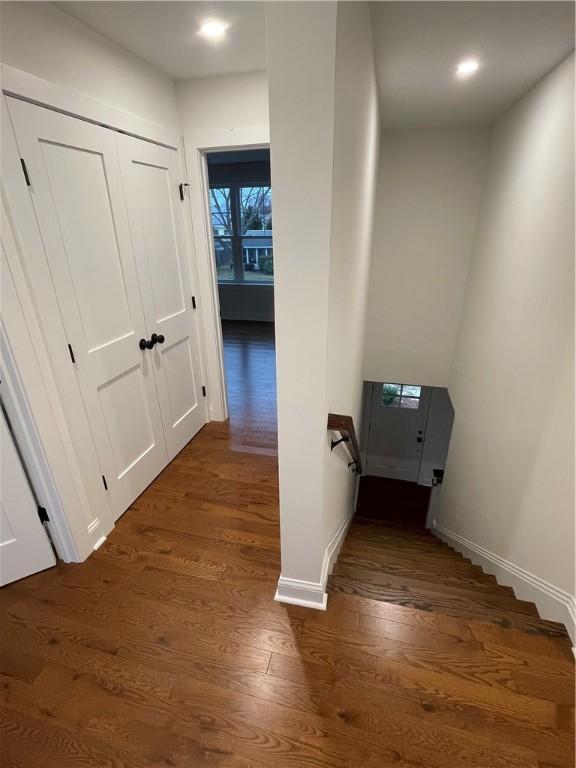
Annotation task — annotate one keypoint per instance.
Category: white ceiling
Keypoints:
(165, 34)
(418, 45)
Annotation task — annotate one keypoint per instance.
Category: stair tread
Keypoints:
(391, 561)
(379, 550)
(443, 582)
(550, 634)
(425, 590)
(472, 609)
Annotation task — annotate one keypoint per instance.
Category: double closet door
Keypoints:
(111, 220)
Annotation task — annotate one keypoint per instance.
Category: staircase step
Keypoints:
(425, 590)
(392, 562)
(444, 582)
(469, 607)
(380, 552)
(551, 635)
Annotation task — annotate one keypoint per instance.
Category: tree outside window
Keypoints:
(242, 230)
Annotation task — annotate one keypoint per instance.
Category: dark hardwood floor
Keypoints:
(250, 367)
(165, 648)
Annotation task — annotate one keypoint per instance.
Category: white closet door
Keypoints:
(150, 175)
(24, 545)
(77, 193)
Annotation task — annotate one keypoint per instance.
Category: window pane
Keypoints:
(390, 401)
(410, 402)
(389, 391)
(224, 259)
(410, 390)
(221, 211)
(256, 210)
(258, 259)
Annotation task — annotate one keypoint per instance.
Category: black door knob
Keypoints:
(150, 343)
(143, 344)
(157, 338)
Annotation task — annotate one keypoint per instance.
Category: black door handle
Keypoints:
(418, 439)
(157, 338)
(143, 344)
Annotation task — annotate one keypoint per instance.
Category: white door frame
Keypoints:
(197, 145)
(30, 447)
(71, 541)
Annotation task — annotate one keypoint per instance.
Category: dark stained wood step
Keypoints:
(470, 607)
(419, 571)
(456, 586)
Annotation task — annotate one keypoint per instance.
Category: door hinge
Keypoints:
(203, 391)
(71, 353)
(181, 189)
(105, 483)
(43, 515)
(25, 171)
(193, 302)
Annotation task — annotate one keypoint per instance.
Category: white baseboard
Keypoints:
(311, 594)
(552, 602)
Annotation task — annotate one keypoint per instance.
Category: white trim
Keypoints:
(27, 87)
(197, 144)
(335, 545)
(553, 603)
(33, 456)
(311, 594)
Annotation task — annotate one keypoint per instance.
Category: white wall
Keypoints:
(356, 144)
(40, 39)
(429, 187)
(509, 484)
(320, 68)
(301, 47)
(230, 101)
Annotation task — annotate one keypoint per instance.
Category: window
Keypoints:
(242, 230)
(401, 396)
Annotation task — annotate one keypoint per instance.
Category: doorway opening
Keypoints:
(240, 204)
(405, 439)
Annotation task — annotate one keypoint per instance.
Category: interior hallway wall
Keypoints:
(40, 39)
(355, 167)
(509, 484)
(301, 48)
(324, 145)
(429, 185)
(228, 101)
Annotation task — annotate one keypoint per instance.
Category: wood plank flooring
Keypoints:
(165, 648)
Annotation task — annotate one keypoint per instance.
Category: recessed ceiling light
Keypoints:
(467, 67)
(213, 29)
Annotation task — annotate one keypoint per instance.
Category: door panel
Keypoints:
(396, 433)
(24, 545)
(78, 196)
(129, 423)
(78, 181)
(179, 374)
(160, 237)
(150, 175)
